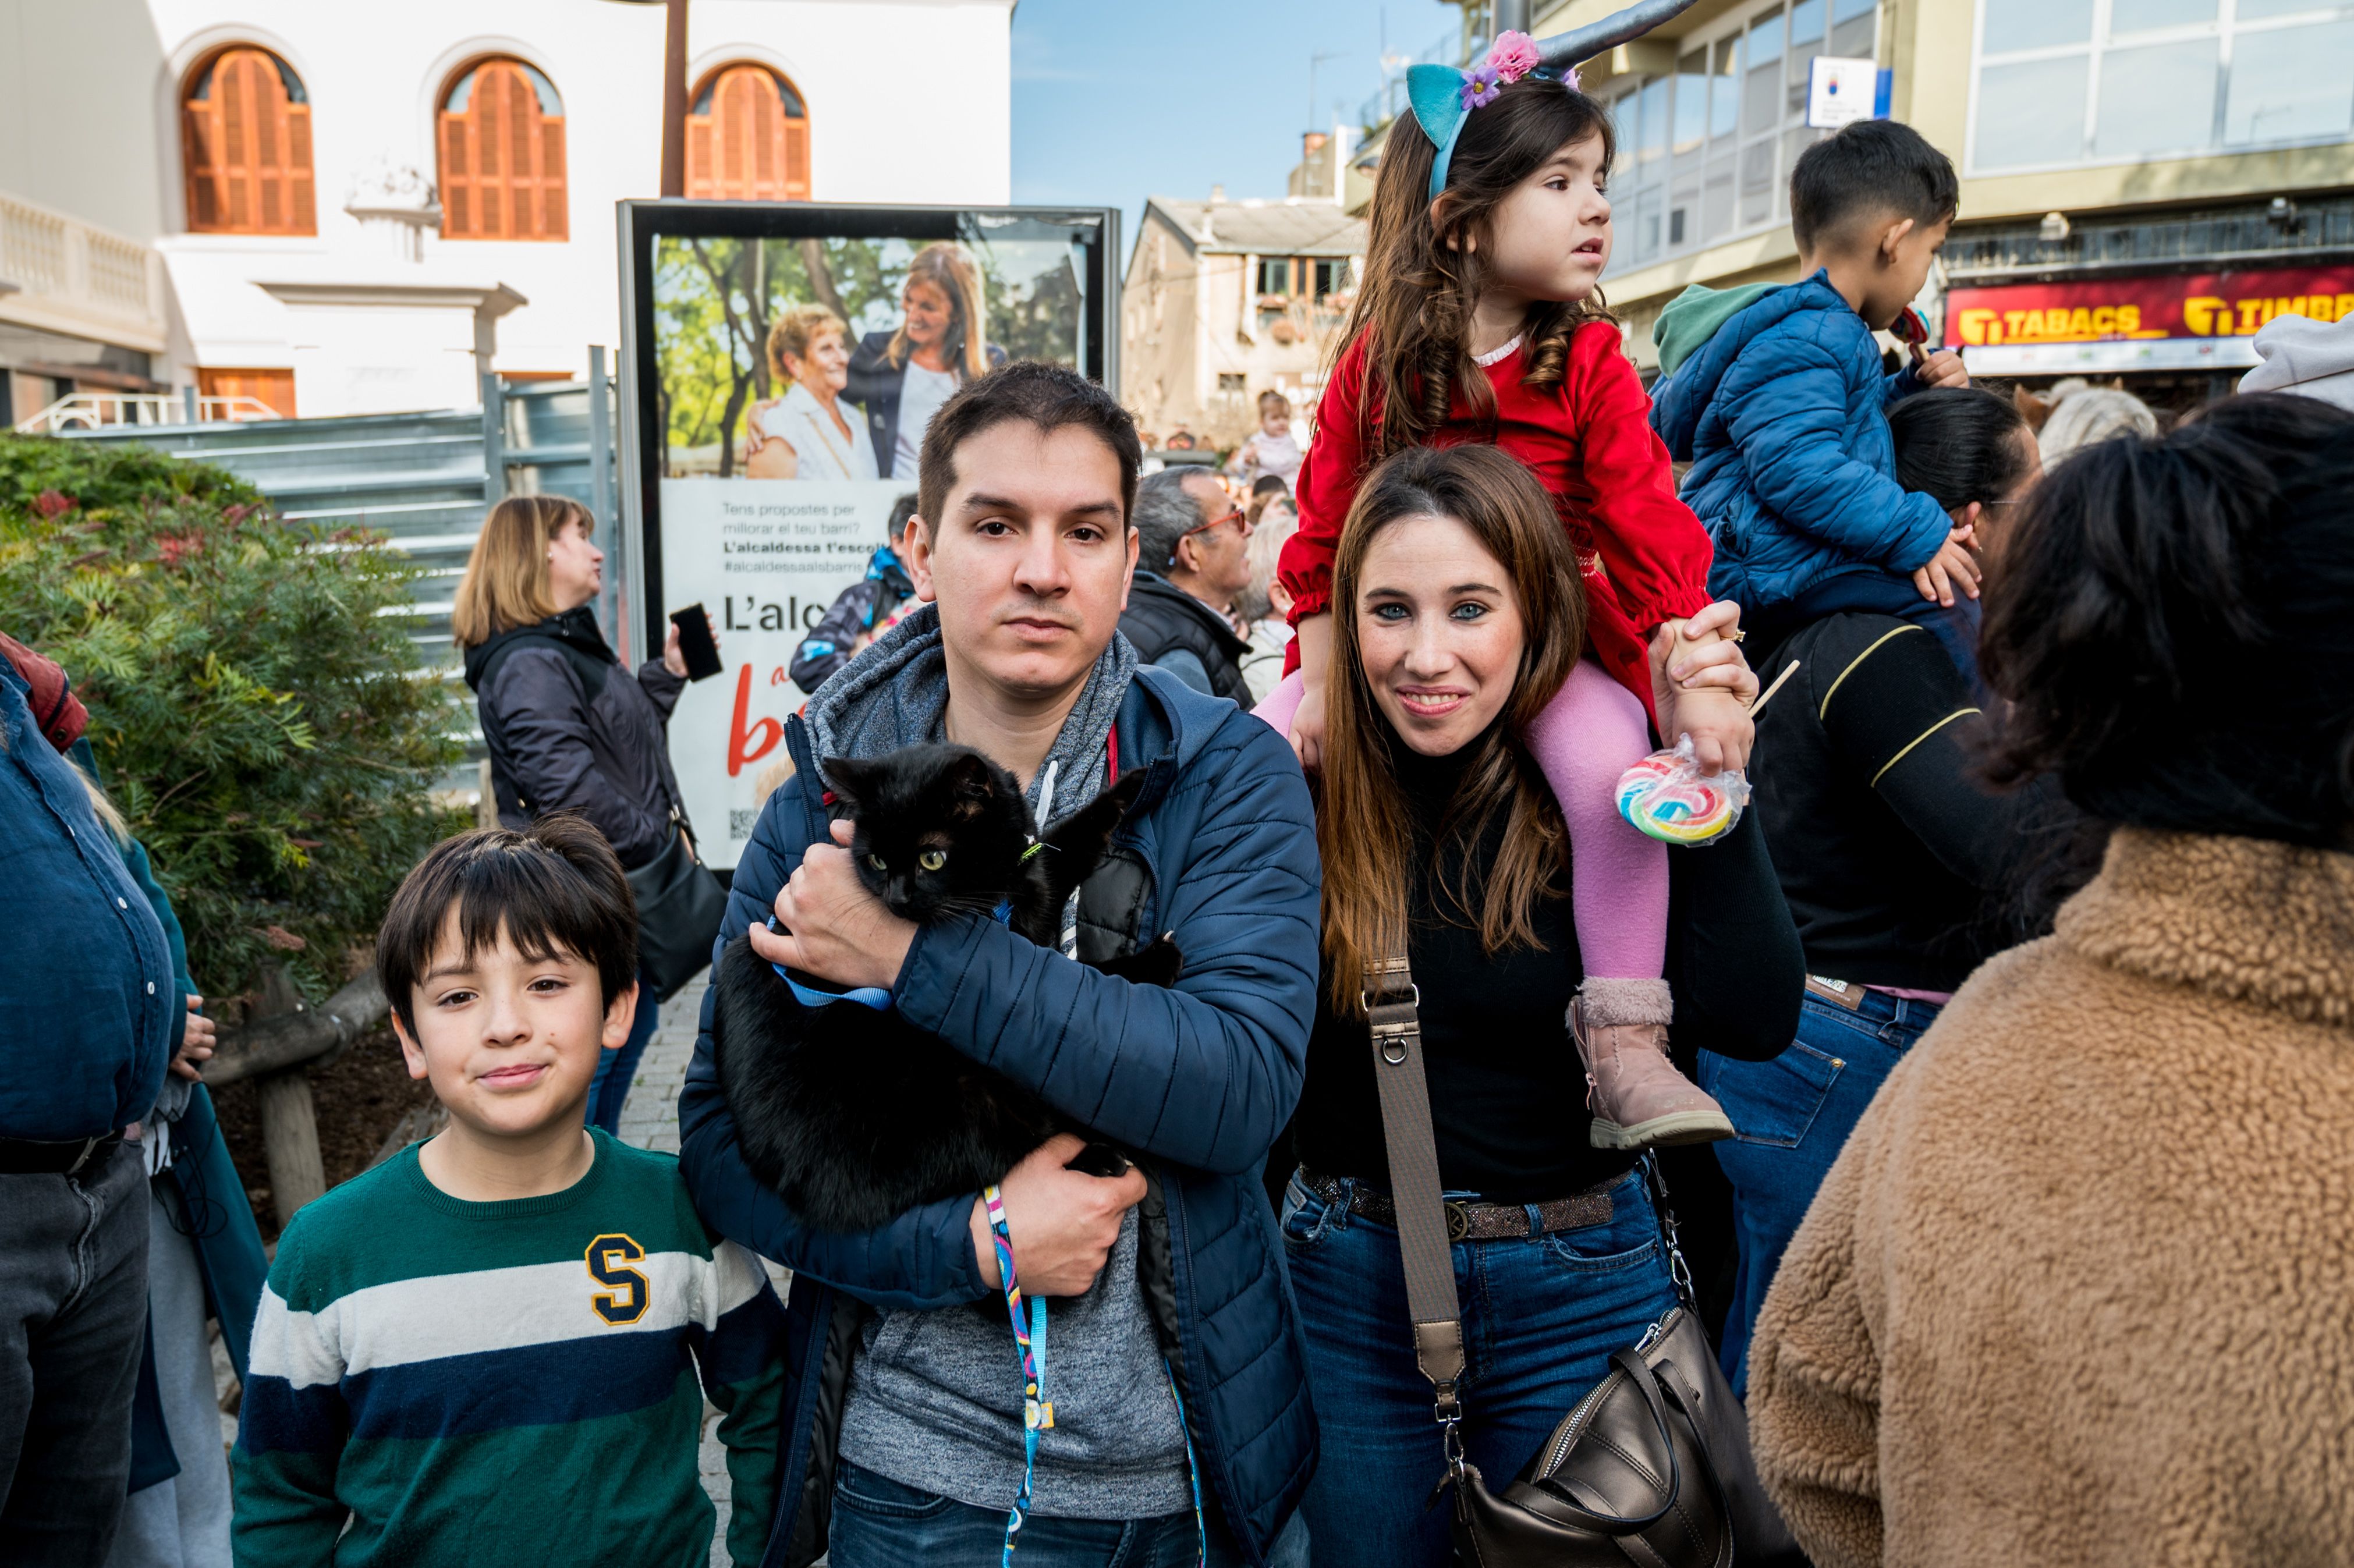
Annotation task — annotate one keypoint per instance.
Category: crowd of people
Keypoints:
(1984, 1088)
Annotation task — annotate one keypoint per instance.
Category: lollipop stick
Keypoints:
(1768, 694)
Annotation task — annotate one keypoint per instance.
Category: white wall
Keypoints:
(910, 100)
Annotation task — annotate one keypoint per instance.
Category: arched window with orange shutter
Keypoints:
(501, 135)
(245, 142)
(748, 137)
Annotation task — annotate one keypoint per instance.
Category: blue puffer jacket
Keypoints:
(1782, 416)
(1220, 848)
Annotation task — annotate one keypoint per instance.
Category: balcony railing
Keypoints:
(76, 277)
(97, 410)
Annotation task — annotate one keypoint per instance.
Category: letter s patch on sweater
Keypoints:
(623, 1300)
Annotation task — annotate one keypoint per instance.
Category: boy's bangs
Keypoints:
(553, 892)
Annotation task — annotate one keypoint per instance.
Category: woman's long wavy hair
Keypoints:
(949, 267)
(1422, 278)
(1364, 828)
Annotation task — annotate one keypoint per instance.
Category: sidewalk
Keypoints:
(650, 1121)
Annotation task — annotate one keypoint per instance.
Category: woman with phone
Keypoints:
(568, 728)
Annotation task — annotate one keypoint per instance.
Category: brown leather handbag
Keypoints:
(1652, 1467)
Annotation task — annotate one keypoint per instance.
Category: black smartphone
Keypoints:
(1099, 1159)
(695, 641)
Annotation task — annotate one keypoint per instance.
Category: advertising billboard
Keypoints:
(779, 361)
(2198, 320)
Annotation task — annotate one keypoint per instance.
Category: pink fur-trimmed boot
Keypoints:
(1638, 1098)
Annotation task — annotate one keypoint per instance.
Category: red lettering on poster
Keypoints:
(749, 744)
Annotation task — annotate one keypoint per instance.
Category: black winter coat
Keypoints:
(569, 729)
(1173, 629)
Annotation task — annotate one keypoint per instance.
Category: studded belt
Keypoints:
(1472, 1221)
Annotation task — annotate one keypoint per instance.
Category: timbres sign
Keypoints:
(2179, 322)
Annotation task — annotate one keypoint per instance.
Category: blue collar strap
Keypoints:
(873, 996)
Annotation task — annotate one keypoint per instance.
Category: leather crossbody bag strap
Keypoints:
(1392, 1000)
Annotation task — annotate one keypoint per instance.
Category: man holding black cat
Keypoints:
(1175, 1377)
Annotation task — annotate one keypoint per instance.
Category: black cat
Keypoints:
(853, 1115)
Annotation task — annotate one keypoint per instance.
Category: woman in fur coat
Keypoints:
(2080, 1289)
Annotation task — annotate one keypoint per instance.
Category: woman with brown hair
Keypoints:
(567, 728)
(1457, 616)
(902, 377)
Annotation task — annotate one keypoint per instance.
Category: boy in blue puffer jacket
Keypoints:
(1776, 396)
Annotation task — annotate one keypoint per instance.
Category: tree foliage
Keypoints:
(256, 705)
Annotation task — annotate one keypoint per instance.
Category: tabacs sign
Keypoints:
(2198, 321)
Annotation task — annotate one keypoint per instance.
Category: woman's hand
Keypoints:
(1702, 686)
(673, 658)
(829, 926)
(774, 458)
(197, 1034)
(1315, 635)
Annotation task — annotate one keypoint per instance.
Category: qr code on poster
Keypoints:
(740, 822)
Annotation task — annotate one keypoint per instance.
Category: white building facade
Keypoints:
(361, 208)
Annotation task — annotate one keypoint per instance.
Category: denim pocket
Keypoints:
(1307, 1217)
(1773, 1102)
(879, 1497)
(1602, 1249)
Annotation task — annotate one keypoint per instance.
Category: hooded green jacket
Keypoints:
(1692, 318)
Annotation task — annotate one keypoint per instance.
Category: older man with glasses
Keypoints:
(1195, 558)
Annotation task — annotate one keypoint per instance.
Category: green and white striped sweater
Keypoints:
(508, 1382)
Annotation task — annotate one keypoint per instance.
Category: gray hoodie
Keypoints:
(935, 1398)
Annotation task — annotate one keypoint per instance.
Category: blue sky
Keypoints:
(1115, 99)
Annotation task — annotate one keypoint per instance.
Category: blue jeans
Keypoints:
(1793, 1115)
(878, 1523)
(1541, 1317)
(610, 1089)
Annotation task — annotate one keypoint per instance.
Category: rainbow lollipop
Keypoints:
(1678, 810)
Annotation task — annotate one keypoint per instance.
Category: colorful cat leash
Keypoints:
(1029, 1318)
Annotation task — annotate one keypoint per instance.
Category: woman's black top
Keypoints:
(1896, 862)
(1507, 1090)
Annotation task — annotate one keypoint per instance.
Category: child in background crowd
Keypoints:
(1776, 396)
(1476, 321)
(487, 1348)
(1273, 451)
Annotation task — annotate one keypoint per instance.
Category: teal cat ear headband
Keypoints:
(1442, 96)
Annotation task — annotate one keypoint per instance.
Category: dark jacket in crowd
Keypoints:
(85, 974)
(569, 729)
(861, 606)
(1173, 629)
(1197, 1080)
(874, 386)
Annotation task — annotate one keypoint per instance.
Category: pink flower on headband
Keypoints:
(1513, 55)
(1480, 87)
(1569, 78)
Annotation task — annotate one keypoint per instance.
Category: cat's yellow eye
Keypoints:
(876, 862)
(932, 860)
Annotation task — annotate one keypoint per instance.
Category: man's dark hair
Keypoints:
(555, 888)
(1046, 395)
(901, 509)
(2169, 620)
(1163, 513)
(1866, 169)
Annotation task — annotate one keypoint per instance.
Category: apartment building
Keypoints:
(330, 208)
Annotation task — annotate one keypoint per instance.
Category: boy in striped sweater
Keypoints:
(496, 1347)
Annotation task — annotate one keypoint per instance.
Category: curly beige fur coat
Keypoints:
(2080, 1290)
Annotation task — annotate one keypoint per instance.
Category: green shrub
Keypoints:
(257, 706)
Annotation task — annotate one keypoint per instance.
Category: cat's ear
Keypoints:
(972, 784)
(847, 780)
(1079, 839)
